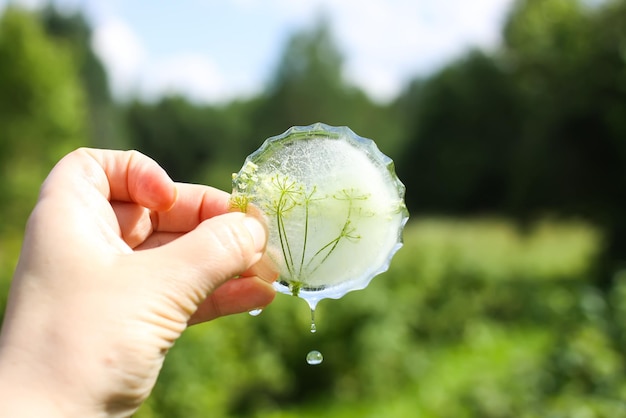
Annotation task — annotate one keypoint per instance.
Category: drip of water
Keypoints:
(314, 358)
(313, 326)
(256, 312)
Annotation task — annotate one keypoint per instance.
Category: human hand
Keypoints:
(117, 261)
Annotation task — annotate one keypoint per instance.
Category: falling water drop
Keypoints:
(314, 358)
(256, 312)
(313, 326)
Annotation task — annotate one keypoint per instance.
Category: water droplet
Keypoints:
(256, 312)
(313, 326)
(314, 358)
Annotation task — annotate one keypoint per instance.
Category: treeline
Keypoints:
(535, 127)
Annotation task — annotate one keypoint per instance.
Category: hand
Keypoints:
(117, 261)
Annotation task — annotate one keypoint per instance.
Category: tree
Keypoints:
(104, 121)
(463, 129)
(181, 136)
(41, 109)
(309, 86)
(547, 44)
(568, 64)
(41, 119)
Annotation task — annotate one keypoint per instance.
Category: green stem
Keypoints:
(333, 243)
(307, 201)
(282, 235)
(306, 234)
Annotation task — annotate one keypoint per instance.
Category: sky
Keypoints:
(213, 51)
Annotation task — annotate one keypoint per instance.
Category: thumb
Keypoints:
(218, 249)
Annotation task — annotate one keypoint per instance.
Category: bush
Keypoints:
(473, 319)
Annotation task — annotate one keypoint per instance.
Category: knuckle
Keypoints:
(233, 241)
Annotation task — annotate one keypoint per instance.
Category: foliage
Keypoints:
(532, 128)
(464, 123)
(309, 87)
(156, 128)
(40, 120)
(102, 117)
(40, 105)
(40, 110)
(474, 318)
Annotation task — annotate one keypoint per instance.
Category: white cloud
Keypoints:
(391, 41)
(122, 52)
(134, 71)
(30, 4)
(191, 74)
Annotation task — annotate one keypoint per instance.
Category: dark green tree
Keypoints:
(41, 107)
(192, 142)
(103, 116)
(537, 126)
(309, 86)
(568, 64)
(563, 142)
(41, 118)
(464, 125)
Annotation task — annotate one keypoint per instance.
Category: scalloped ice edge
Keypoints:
(323, 130)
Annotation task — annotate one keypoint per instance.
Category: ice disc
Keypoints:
(333, 204)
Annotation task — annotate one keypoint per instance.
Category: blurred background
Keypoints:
(506, 120)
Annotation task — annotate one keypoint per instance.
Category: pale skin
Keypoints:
(117, 261)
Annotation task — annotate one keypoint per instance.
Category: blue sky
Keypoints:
(213, 51)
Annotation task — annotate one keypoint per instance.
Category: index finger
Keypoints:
(126, 176)
(194, 204)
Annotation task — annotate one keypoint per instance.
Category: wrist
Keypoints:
(32, 387)
(19, 402)
(23, 395)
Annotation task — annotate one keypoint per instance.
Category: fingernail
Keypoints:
(257, 230)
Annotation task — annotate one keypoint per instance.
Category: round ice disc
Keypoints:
(333, 204)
